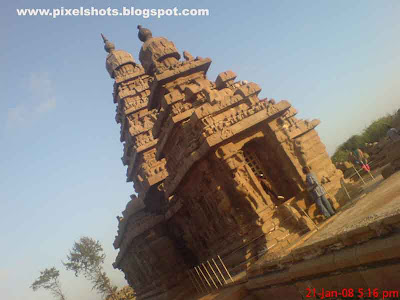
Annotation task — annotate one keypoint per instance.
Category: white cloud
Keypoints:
(41, 100)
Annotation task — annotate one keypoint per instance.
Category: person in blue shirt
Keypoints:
(318, 193)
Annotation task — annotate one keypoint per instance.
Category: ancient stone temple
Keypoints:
(215, 170)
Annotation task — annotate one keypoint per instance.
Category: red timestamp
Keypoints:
(353, 294)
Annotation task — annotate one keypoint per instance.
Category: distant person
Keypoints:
(393, 134)
(357, 157)
(318, 193)
(361, 158)
(269, 190)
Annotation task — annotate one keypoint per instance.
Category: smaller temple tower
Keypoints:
(213, 168)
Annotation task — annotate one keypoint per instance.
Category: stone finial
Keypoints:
(116, 59)
(108, 46)
(157, 53)
(144, 34)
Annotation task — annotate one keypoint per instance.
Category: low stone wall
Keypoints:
(362, 260)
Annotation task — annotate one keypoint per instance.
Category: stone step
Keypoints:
(250, 297)
(233, 293)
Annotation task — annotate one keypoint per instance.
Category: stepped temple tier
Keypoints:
(216, 171)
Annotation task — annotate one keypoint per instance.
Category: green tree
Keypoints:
(340, 155)
(354, 142)
(377, 129)
(373, 133)
(48, 280)
(86, 258)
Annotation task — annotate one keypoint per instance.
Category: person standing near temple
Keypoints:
(318, 193)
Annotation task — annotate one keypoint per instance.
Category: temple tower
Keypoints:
(196, 150)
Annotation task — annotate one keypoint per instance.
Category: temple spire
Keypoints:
(117, 61)
(108, 46)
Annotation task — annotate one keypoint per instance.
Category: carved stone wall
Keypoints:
(217, 171)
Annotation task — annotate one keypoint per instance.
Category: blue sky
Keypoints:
(61, 176)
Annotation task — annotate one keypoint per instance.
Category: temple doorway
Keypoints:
(269, 169)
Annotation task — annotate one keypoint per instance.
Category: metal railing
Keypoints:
(364, 180)
(213, 274)
(205, 279)
(359, 171)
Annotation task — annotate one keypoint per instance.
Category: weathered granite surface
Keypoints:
(195, 150)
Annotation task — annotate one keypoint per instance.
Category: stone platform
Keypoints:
(357, 250)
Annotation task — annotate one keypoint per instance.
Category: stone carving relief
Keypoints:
(138, 125)
(133, 87)
(127, 71)
(133, 103)
(180, 107)
(143, 139)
